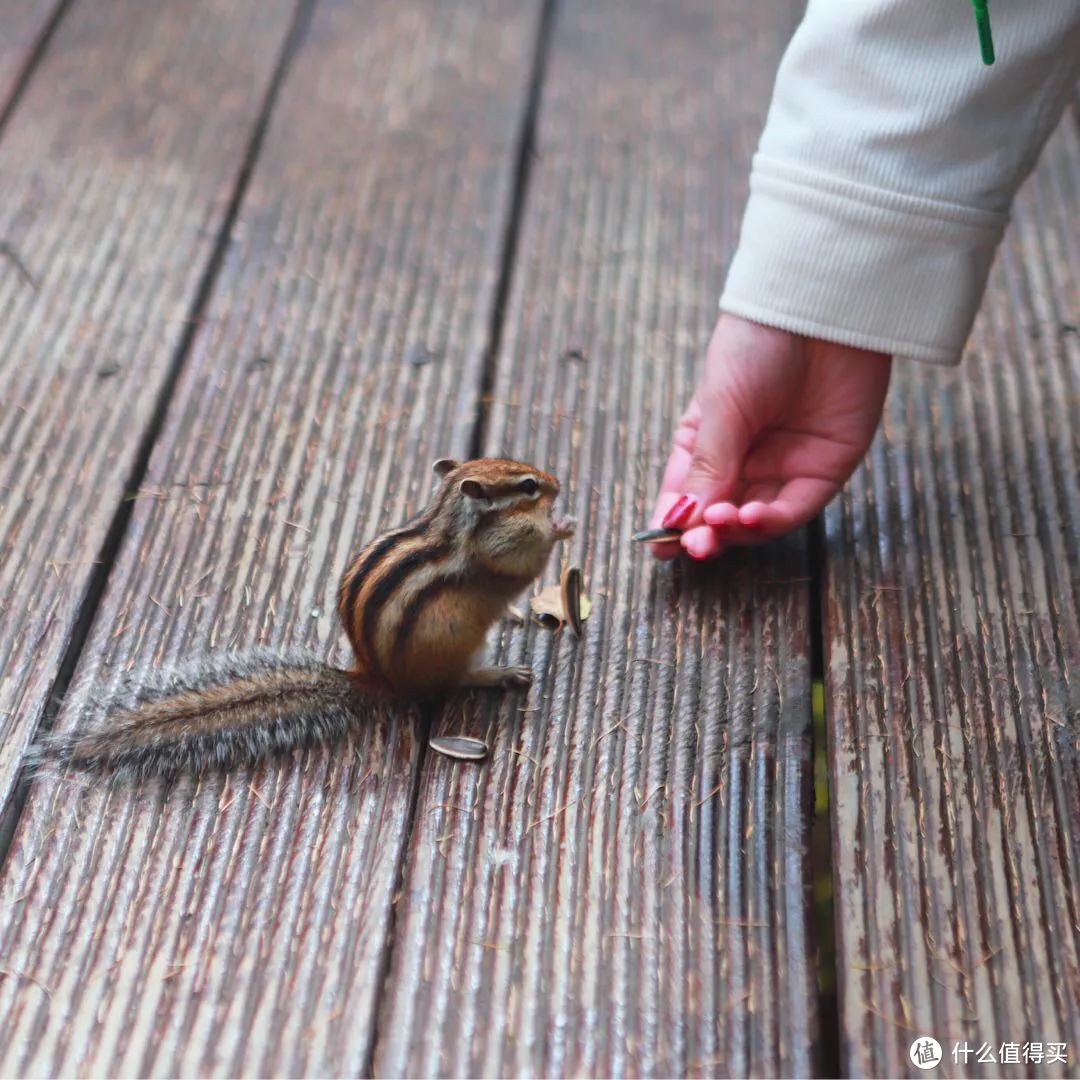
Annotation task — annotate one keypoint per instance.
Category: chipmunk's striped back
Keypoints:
(393, 568)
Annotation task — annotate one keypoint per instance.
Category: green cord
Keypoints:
(986, 40)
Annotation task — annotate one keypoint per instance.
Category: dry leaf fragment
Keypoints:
(548, 606)
(459, 747)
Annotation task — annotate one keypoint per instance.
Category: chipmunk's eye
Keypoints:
(529, 486)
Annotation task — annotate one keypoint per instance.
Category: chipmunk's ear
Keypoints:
(443, 466)
(473, 489)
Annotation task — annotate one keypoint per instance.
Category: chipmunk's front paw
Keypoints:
(507, 678)
(564, 528)
(516, 678)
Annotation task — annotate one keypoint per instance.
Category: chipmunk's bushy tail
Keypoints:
(217, 712)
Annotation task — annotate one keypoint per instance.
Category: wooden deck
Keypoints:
(263, 261)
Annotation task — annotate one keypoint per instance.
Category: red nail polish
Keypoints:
(680, 513)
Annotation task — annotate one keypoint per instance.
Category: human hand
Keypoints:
(776, 426)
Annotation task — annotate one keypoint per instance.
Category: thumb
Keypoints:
(723, 439)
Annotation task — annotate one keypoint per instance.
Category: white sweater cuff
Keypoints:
(859, 265)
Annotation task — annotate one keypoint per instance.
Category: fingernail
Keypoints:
(680, 513)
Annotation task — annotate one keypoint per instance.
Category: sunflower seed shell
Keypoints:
(459, 747)
(571, 597)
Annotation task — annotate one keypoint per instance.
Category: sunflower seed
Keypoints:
(655, 536)
(459, 747)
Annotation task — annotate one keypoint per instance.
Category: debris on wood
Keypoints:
(419, 355)
(9, 253)
(459, 747)
(574, 354)
(551, 607)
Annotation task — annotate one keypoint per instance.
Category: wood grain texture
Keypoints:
(117, 168)
(240, 927)
(619, 890)
(22, 22)
(953, 667)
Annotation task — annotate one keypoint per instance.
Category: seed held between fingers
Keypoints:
(655, 536)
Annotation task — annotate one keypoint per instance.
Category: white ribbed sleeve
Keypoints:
(889, 160)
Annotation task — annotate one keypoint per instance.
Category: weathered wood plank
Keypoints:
(953, 666)
(620, 889)
(240, 928)
(22, 22)
(117, 168)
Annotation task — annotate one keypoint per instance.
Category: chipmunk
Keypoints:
(416, 605)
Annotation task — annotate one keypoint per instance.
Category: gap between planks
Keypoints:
(30, 64)
(525, 152)
(820, 863)
(114, 535)
(523, 159)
